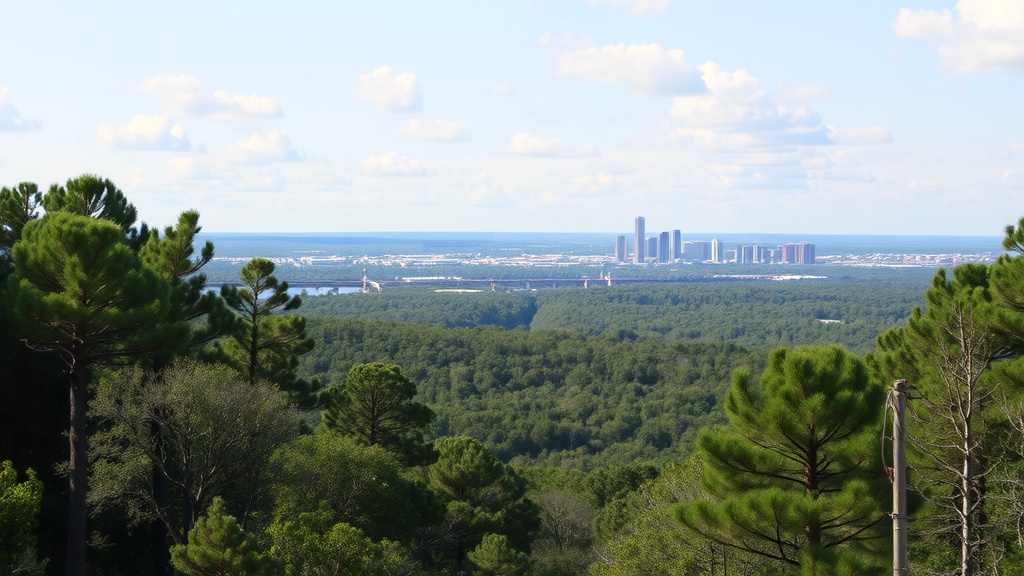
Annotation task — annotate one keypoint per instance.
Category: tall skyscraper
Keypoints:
(677, 244)
(652, 248)
(620, 248)
(797, 253)
(640, 241)
(664, 247)
(716, 253)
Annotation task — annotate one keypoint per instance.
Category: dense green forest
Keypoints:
(851, 309)
(151, 425)
(555, 398)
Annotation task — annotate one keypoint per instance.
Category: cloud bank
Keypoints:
(184, 95)
(392, 92)
(983, 36)
(648, 69)
(523, 144)
(145, 132)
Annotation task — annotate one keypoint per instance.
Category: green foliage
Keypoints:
(850, 308)
(950, 353)
(560, 399)
(374, 405)
(481, 496)
(217, 546)
(494, 557)
(99, 199)
(171, 256)
(19, 514)
(794, 477)
(362, 486)
(315, 546)
(77, 281)
(265, 345)
(424, 306)
(766, 314)
(217, 433)
(18, 206)
(81, 291)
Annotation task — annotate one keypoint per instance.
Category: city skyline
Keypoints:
(669, 246)
(527, 115)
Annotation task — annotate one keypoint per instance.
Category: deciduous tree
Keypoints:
(19, 515)
(218, 432)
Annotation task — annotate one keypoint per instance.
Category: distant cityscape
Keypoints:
(668, 247)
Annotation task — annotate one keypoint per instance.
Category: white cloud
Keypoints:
(393, 164)
(433, 130)
(11, 119)
(802, 93)
(857, 136)
(392, 92)
(984, 36)
(639, 7)
(649, 69)
(263, 149)
(737, 114)
(145, 132)
(185, 95)
(600, 183)
(523, 144)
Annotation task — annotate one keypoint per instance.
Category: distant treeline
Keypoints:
(552, 398)
(850, 310)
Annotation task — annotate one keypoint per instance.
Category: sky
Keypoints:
(713, 116)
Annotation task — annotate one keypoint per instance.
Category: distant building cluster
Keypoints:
(669, 246)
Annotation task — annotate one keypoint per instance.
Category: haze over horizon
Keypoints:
(795, 117)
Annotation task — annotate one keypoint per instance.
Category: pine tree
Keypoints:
(374, 405)
(794, 477)
(217, 546)
(80, 291)
(266, 345)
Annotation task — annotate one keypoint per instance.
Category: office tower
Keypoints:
(748, 255)
(697, 251)
(677, 245)
(639, 240)
(620, 248)
(797, 253)
(716, 251)
(652, 248)
(664, 247)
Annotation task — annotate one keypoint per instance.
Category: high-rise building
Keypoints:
(797, 253)
(652, 248)
(620, 248)
(748, 254)
(677, 244)
(639, 241)
(697, 251)
(665, 247)
(716, 251)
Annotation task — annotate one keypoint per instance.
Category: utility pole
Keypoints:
(898, 400)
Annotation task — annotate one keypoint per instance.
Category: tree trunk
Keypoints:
(77, 472)
(966, 523)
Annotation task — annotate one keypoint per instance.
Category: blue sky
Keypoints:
(726, 116)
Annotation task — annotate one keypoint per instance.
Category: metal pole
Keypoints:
(899, 480)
